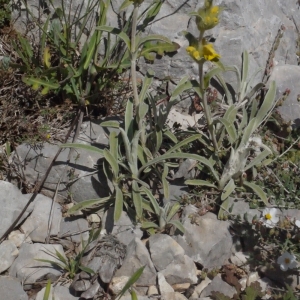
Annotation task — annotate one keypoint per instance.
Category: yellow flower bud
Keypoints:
(209, 53)
(196, 55)
(214, 10)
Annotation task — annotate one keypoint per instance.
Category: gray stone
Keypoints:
(11, 289)
(173, 296)
(58, 293)
(74, 229)
(12, 202)
(164, 287)
(207, 241)
(164, 251)
(36, 225)
(8, 253)
(287, 77)
(218, 285)
(18, 238)
(123, 229)
(169, 258)
(137, 257)
(81, 178)
(29, 270)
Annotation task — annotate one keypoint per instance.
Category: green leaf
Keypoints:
(177, 224)
(129, 119)
(82, 146)
(157, 47)
(171, 136)
(135, 277)
(166, 156)
(184, 142)
(146, 83)
(174, 209)
(91, 50)
(36, 83)
(245, 66)
(228, 189)
(137, 199)
(165, 182)
(51, 262)
(251, 127)
(117, 32)
(113, 144)
(88, 204)
(183, 85)
(230, 129)
(153, 37)
(152, 200)
(61, 257)
(267, 104)
(112, 161)
(125, 4)
(147, 225)
(258, 159)
(258, 191)
(47, 57)
(113, 124)
(118, 204)
(47, 290)
(86, 269)
(200, 183)
(211, 74)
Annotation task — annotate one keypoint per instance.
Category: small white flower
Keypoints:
(270, 218)
(297, 223)
(287, 261)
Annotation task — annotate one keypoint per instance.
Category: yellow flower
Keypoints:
(214, 10)
(204, 50)
(209, 53)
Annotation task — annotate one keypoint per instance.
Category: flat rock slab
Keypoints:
(206, 240)
(46, 213)
(12, 202)
(29, 270)
(57, 293)
(11, 289)
(74, 229)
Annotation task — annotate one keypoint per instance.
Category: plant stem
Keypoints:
(206, 108)
(133, 57)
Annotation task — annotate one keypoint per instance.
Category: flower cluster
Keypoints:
(204, 50)
(208, 17)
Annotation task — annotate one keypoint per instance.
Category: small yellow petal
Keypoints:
(214, 10)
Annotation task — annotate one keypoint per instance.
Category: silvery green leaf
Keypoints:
(165, 182)
(88, 204)
(112, 161)
(113, 144)
(224, 208)
(245, 66)
(254, 90)
(118, 204)
(146, 83)
(184, 142)
(251, 127)
(173, 210)
(153, 201)
(153, 37)
(228, 189)
(226, 90)
(162, 216)
(254, 108)
(177, 224)
(147, 225)
(200, 183)
(171, 136)
(243, 122)
(159, 138)
(258, 191)
(129, 120)
(126, 145)
(258, 159)
(147, 206)
(113, 124)
(137, 199)
(143, 109)
(268, 103)
(183, 85)
(82, 146)
(230, 130)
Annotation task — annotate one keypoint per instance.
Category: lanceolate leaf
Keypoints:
(118, 204)
(257, 190)
(82, 146)
(184, 142)
(228, 189)
(158, 47)
(177, 225)
(200, 183)
(88, 204)
(137, 199)
(112, 161)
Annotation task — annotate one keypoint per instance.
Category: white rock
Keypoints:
(243, 282)
(152, 290)
(252, 277)
(18, 238)
(200, 287)
(117, 284)
(164, 287)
